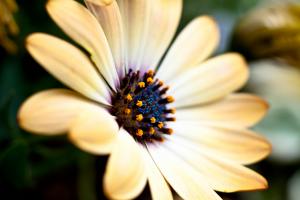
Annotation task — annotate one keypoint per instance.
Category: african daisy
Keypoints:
(163, 122)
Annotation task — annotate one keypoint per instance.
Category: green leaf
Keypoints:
(14, 165)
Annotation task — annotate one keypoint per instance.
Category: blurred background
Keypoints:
(266, 32)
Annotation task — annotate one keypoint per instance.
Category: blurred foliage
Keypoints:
(37, 167)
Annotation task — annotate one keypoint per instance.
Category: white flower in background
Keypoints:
(279, 84)
(125, 99)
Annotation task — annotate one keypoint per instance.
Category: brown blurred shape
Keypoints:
(8, 26)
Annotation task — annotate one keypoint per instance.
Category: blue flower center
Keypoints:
(141, 107)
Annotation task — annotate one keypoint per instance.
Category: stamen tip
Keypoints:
(140, 132)
(139, 117)
(139, 103)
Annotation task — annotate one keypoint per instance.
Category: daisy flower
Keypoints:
(170, 122)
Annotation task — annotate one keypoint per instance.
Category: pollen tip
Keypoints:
(139, 117)
(170, 99)
(152, 120)
(160, 125)
(150, 72)
(140, 132)
(129, 97)
(149, 80)
(139, 103)
(173, 110)
(141, 84)
(160, 83)
(127, 111)
(170, 131)
(152, 131)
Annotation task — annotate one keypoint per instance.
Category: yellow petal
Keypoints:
(136, 15)
(182, 177)
(158, 186)
(193, 45)
(210, 81)
(109, 16)
(69, 65)
(242, 110)
(83, 27)
(102, 2)
(125, 176)
(94, 131)
(51, 112)
(222, 175)
(235, 144)
(164, 20)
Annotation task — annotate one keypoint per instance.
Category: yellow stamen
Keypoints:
(139, 117)
(127, 111)
(152, 120)
(149, 80)
(160, 83)
(152, 131)
(129, 97)
(170, 131)
(160, 125)
(141, 84)
(173, 110)
(150, 72)
(170, 99)
(140, 132)
(139, 103)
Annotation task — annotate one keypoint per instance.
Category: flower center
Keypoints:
(140, 106)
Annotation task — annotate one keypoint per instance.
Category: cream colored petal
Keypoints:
(158, 186)
(194, 44)
(182, 177)
(164, 21)
(210, 81)
(125, 176)
(69, 65)
(242, 110)
(235, 144)
(51, 112)
(94, 131)
(136, 15)
(109, 16)
(83, 27)
(222, 175)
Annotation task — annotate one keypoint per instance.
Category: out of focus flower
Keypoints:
(279, 83)
(8, 25)
(293, 186)
(126, 111)
(270, 31)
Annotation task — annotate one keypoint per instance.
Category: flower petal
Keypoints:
(210, 81)
(182, 177)
(242, 110)
(109, 16)
(194, 44)
(136, 15)
(69, 65)
(235, 144)
(125, 176)
(83, 27)
(94, 131)
(164, 21)
(222, 175)
(158, 186)
(51, 112)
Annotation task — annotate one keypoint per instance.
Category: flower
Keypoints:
(8, 24)
(125, 106)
